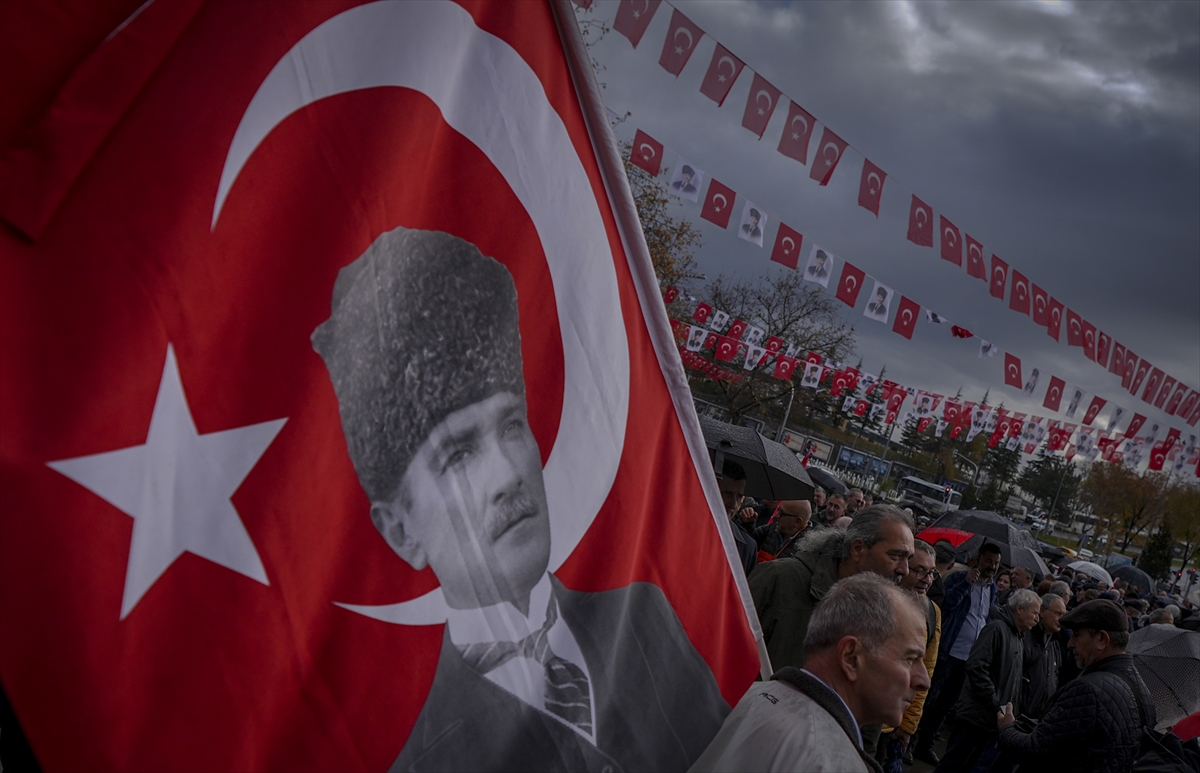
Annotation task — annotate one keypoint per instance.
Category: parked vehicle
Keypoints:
(934, 498)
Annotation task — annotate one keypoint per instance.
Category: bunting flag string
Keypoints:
(632, 19)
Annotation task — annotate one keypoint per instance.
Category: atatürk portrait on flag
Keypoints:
(531, 675)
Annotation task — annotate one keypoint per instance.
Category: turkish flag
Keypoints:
(726, 349)
(787, 246)
(850, 284)
(923, 424)
(1016, 424)
(1194, 416)
(1054, 319)
(952, 247)
(723, 70)
(1054, 393)
(718, 204)
(1089, 340)
(670, 294)
(797, 133)
(702, 312)
(1094, 409)
(681, 40)
(960, 332)
(760, 104)
(1176, 400)
(813, 358)
(1152, 385)
(829, 153)
(1189, 402)
(870, 187)
(737, 329)
(1135, 425)
(975, 265)
(773, 344)
(999, 277)
(860, 408)
(785, 367)
(189, 573)
(1103, 347)
(951, 412)
(1116, 364)
(1012, 371)
(1129, 371)
(1018, 299)
(1158, 455)
(1168, 386)
(1139, 375)
(1041, 306)
(957, 430)
(646, 153)
(906, 317)
(1074, 329)
(920, 223)
(633, 17)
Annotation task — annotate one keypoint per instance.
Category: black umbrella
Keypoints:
(1134, 576)
(772, 469)
(827, 480)
(1017, 546)
(1168, 660)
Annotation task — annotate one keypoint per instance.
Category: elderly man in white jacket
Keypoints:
(865, 651)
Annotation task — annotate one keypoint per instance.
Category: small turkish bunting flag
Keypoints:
(723, 70)
(906, 317)
(999, 277)
(787, 246)
(633, 17)
(1054, 319)
(1018, 299)
(1103, 348)
(850, 285)
(785, 367)
(760, 104)
(646, 153)
(718, 204)
(920, 223)
(1012, 371)
(1116, 364)
(1041, 306)
(679, 44)
(1054, 393)
(870, 187)
(1139, 375)
(1094, 409)
(951, 240)
(829, 153)
(1089, 340)
(797, 133)
(1074, 329)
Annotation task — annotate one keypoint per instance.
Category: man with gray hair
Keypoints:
(865, 647)
(1161, 617)
(786, 591)
(994, 677)
(424, 351)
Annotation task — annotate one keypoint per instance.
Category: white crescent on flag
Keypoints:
(724, 201)
(921, 216)
(764, 93)
(490, 95)
(690, 40)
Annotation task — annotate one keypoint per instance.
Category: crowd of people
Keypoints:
(881, 642)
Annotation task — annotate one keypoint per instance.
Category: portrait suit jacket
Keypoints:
(818, 271)
(878, 309)
(656, 702)
(753, 233)
(680, 186)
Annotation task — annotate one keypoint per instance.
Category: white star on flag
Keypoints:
(177, 488)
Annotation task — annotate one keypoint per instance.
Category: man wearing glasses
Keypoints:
(781, 536)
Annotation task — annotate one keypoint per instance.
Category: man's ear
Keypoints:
(857, 547)
(851, 657)
(389, 519)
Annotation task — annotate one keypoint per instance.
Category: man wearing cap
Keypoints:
(531, 674)
(1095, 722)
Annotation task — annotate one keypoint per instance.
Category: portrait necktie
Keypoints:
(566, 693)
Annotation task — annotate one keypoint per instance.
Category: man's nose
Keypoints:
(902, 567)
(920, 676)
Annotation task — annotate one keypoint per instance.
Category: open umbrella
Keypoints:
(1095, 571)
(772, 469)
(1168, 660)
(1017, 546)
(827, 480)
(955, 537)
(1134, 576)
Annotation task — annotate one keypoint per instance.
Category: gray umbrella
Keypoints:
(1134, 576)
(1168, 660)
(827, 480)
(772, 469)
(1017, 546)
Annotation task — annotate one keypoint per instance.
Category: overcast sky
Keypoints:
(1063, 136)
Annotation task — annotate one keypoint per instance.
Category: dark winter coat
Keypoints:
(995, 673)
(785, 593)
(771, 541)
(1043, 661)
(1091, 726)
(746, 546)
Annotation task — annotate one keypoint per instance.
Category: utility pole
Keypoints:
(786, 414)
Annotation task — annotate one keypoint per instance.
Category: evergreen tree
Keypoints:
(1156, 558)
(1053, 482)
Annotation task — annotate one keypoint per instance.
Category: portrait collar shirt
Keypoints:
(977, 617)
(524, 677)
(857, 731)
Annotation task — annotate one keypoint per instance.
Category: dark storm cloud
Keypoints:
(1064, 136)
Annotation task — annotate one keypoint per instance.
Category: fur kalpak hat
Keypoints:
(422, 324)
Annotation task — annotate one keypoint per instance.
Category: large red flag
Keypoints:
(829, 153)
(323, 236)
(920, 223)
(1054, 393)
(1054, 319)
(870, 187)
(633, 17)
(681, 40)
(850, 284)
(787, 246)
(1018, 298)
(797, 133)
(999, 277)
(1012, 371)
(723, 70)
(975, 265)
(951, 239)
(646, 153)
(760, 104)
(718, 204)
(906, 317)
